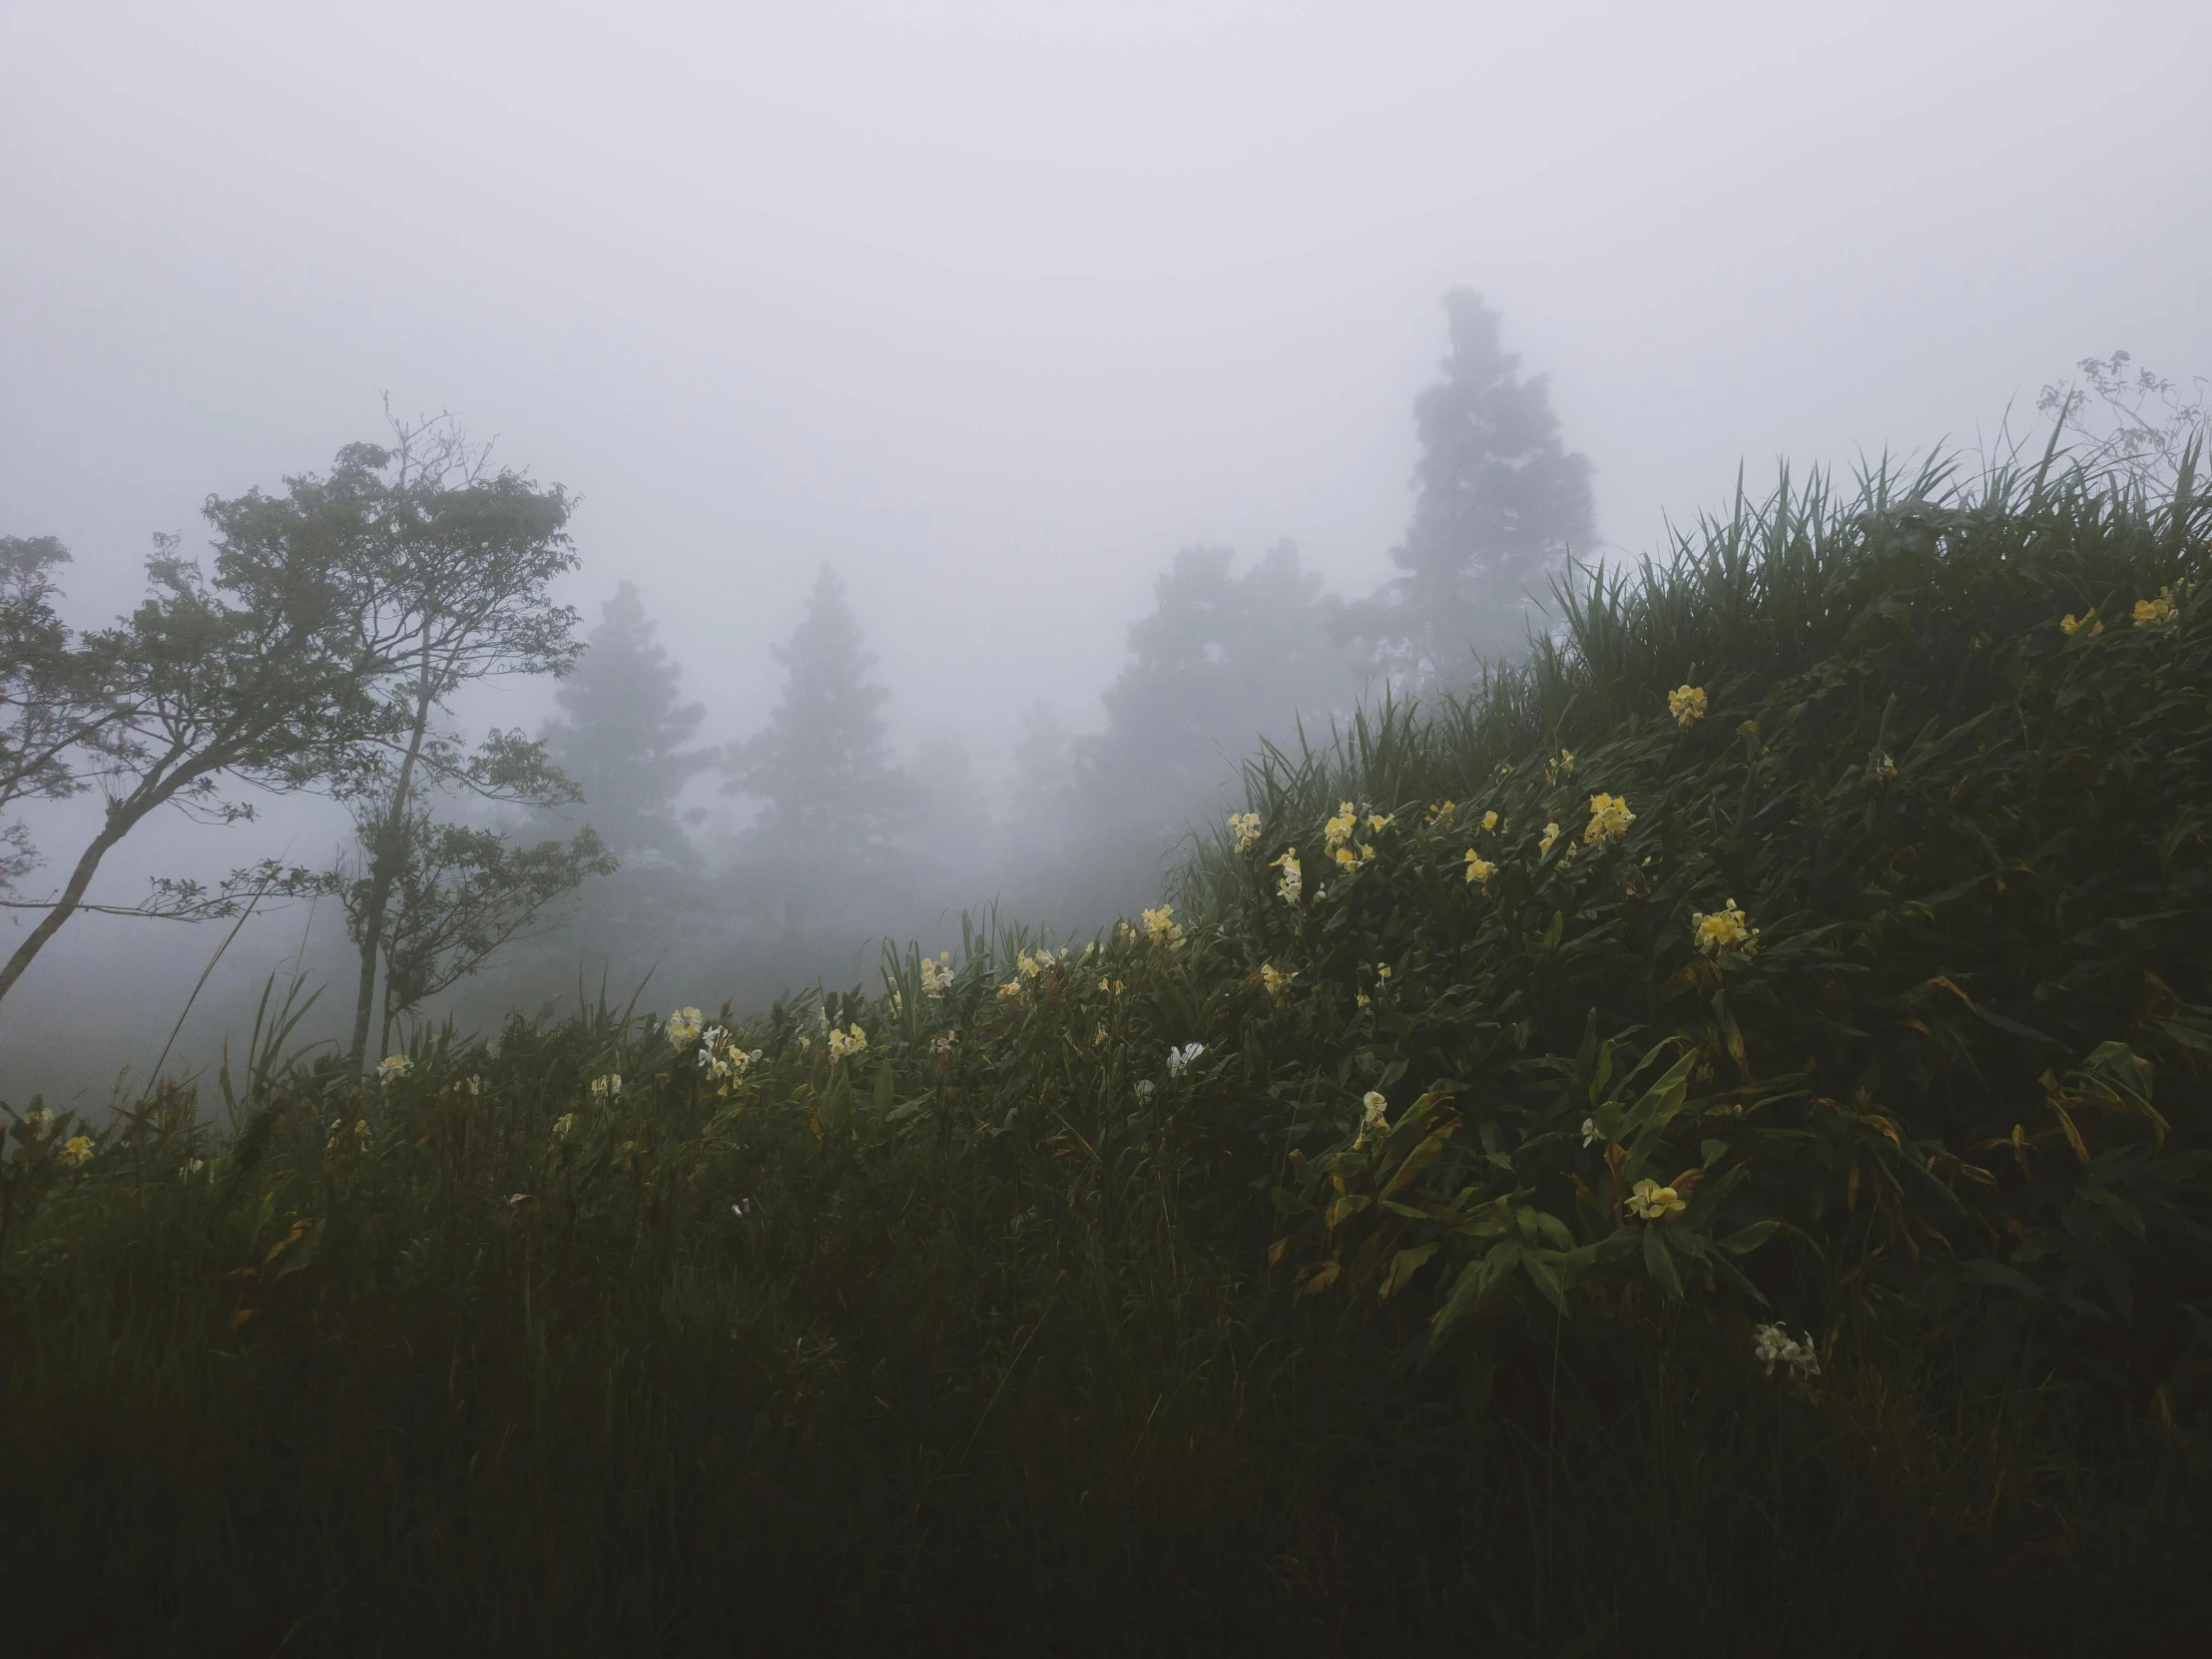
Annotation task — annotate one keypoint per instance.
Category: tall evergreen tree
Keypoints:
(621, 736)
(822, 768)
(1221, 662)
(1500, 501)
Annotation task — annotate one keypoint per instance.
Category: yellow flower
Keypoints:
(564, 1126)
(1274, 979)
(2071, 625)
(2156, 613)
(1372, 1109)
(1727, 928)
(1652, 1202)
(1293, 881)
(1749, 729)
(1441, 814)
(394, 1068)
(1246, 828)
(1480, 868)
(683, 1026)
(1098, 1036)
(1551, 834)
(1338, 830)
(1609, 819)
(1361, 997)
(1382, 971)
(1346, 857)
(1366, 851)
(77, 1151)
(1564, 767)
(936, 976)
(609, 1087)
(1161, 927)
(1380, 821)
(851, 1040)
(1687, 705)
(1490, 820)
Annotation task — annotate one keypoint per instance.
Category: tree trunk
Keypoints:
(385, 854)
(122, 816)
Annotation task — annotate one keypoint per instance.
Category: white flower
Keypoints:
(1590, 1136)
(1179, 1059)
(191, 1168)
(609, 1087)
(851, 1040)
(1144, 1088)
(944, 1042)
(1292, 881)
(392, 1067)
(1246, 828)
(683, 1026)
(936, 975)
(1771, 1343)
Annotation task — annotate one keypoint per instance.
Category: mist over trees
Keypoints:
(1500, 504)
(414, 570)
(623, 735)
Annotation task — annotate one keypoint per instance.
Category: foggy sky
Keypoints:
(995, 306)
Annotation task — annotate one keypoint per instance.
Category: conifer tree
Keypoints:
(621, 736)
(1501, 502)
(822, 767)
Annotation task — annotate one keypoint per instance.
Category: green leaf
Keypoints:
(1403, 1266)
(886, 1087)
(1745, 1239)
(1541, 1276)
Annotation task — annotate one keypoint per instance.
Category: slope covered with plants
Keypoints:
(1704, 1139)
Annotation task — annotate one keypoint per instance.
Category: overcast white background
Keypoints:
(995, 306)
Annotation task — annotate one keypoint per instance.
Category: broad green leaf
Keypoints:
(1403, 1266)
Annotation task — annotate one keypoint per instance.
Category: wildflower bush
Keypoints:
(1701, 1112)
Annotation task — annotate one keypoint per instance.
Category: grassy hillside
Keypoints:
(1710, 1150)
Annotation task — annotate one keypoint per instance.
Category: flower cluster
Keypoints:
(338, 1129)
(1562, 766)
(1441, 812)
(2069, 625)
(1292, 885)
(684, 1027)
(1687, 705)
(1245, 826)
(77, 1151)
(607, 1087)
(1161, 927)
(1179, 1059)
(392, 1067)
(1727, 928)
(851, 1040)
(936, 975)
(1609, 819)
(723, 1061)
(1652, 1202)
(2156, 613)
(1770, 1344)
(1338, 831)
(1480, 868)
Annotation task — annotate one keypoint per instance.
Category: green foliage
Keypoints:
(1778, 1200)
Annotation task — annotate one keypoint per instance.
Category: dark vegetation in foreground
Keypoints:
(1531, 1258)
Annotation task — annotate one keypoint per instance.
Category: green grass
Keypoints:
(986, 1346)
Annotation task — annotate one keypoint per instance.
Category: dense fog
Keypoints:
(955, 435)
